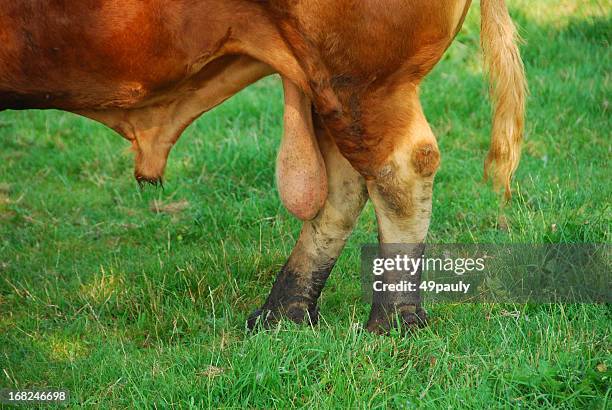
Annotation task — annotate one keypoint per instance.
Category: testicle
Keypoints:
(300, 169)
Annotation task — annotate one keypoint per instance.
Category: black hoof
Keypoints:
(405, 318)
(156, 182)
(265, 318)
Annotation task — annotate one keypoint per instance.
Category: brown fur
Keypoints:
(425, 159)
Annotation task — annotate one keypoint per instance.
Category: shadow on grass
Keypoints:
(595, 30)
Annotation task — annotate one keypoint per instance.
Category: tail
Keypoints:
(508, 91)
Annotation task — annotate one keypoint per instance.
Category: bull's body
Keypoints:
(111, 54)
(148, 68)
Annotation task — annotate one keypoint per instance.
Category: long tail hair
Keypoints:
(508, 89)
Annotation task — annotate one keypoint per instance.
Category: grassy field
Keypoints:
(122, 305)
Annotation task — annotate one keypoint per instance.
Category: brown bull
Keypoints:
(354, 126)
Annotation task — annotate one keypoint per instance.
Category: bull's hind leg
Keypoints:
(401, 192)
(297, 288)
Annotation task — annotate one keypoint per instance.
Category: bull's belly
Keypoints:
(76, 89)
(124, 95)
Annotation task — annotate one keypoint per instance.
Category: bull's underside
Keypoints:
(147, 69)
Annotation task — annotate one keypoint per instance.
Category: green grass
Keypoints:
(122, 306)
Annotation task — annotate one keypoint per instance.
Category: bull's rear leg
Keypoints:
(403, 210)
(298, 286)
(402, 195)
